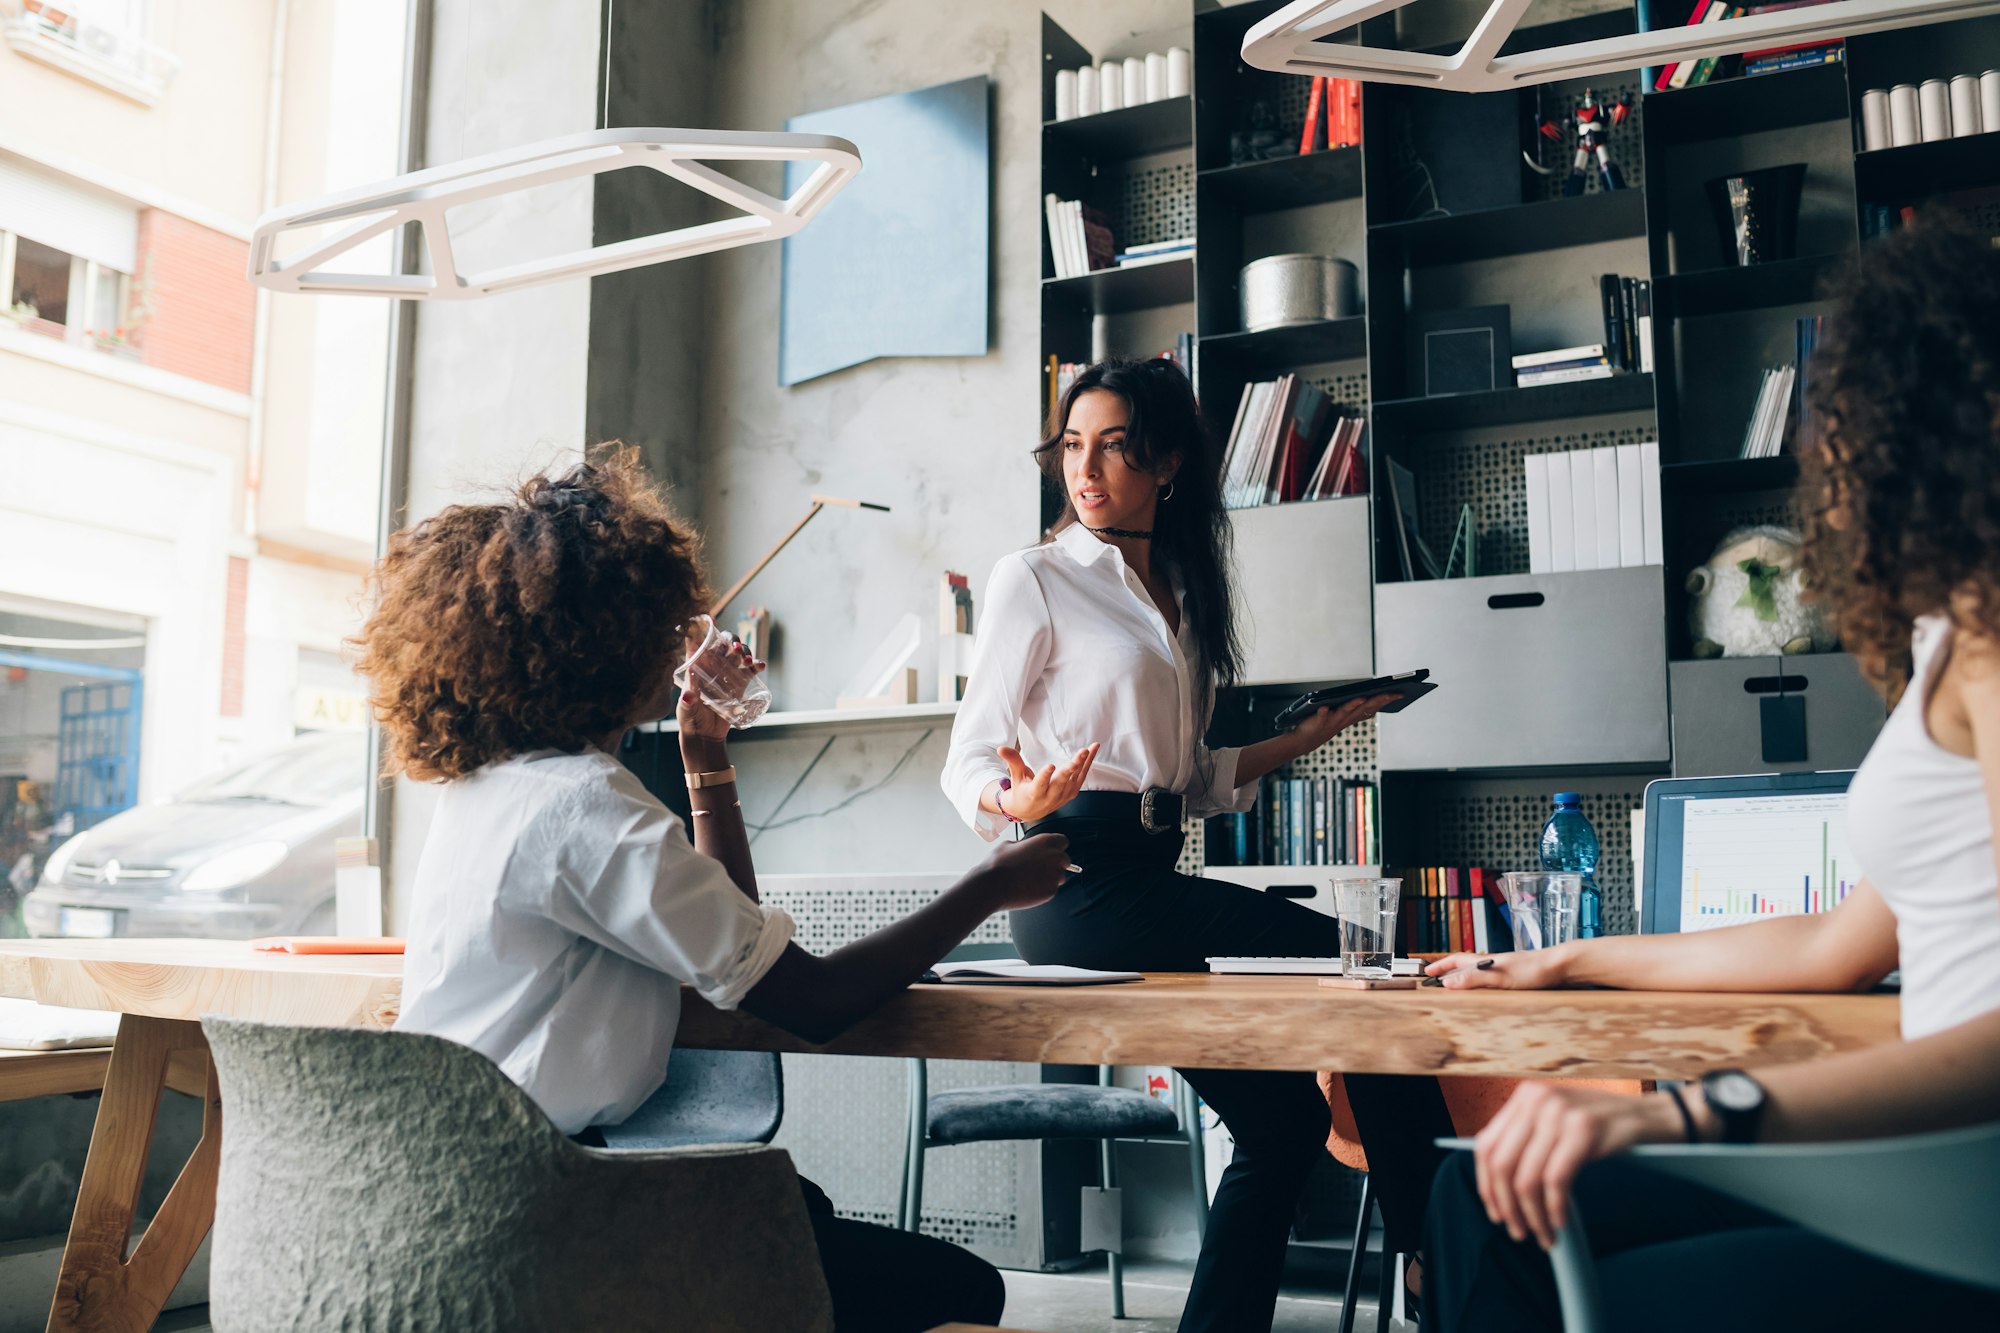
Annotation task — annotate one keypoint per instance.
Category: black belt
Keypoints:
(1156, 810)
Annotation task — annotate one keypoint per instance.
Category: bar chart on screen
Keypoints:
(1746, 859)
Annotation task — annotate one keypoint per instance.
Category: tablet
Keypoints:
(1408, 687)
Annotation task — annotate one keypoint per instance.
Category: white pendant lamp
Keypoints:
(1288, 42)
(423, 197)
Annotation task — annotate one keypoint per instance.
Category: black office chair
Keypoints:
(1046, 1111)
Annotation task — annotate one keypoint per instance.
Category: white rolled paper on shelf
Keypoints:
(1135, 80)
(1086, 91)
(1065, 94)
(1989, 100)
(1179, 72)
(1875, 119)
(1965, 118)
(1156, 76)
(1934, 110)
(1111, 86)
(1903, 129)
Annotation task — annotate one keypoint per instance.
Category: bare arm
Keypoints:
(717, 824)
(819, 998)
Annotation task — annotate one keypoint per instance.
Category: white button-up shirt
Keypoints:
(1072, 651)
(558, 909)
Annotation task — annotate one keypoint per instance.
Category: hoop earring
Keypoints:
(1168, 492)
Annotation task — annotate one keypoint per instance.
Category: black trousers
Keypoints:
(1673, 1256)
(883, 1280)
(1130, 910)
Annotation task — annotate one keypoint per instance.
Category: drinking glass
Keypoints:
(719, 675)
(1367, 910)
(1543, 909)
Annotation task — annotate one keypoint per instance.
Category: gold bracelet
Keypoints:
(718, 778)
(733, 805)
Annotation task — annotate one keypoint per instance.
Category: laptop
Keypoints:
(1722, 851)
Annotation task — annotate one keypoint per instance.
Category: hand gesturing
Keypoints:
(1036, 796)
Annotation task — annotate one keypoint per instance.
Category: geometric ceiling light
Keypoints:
(422, 197)
(1287, 42)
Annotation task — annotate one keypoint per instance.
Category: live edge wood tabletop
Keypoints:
(1231, 1022)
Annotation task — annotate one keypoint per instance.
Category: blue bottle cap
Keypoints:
(1568, 798)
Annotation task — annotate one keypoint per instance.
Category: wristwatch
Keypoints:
(1738, 1102)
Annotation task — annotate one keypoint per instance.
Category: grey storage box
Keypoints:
(1302, 583)
(1533, 670)
(1718, 713)
(1281, 290)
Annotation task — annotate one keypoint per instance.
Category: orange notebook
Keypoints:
(328, 944)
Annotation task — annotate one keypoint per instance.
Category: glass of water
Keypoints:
(1367, 910)
(720, 676)
(1543, 909)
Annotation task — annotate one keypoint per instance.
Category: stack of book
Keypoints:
(1153, 252)
(1594, 509)
(1763, 60)
(1300, 822)
(1450, 909)
(1079, 237)
(1290, 442)
(1628, 322)
(1765, 435)
(1562, 366)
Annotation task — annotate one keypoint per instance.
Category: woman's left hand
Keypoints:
(735, 666)
(1528, 1157)
(1329, 721)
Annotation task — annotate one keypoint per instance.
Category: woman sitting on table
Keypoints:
(558, 906)
(1099, 654)
(1901, 495)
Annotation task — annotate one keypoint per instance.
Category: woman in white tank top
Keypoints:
(1900, 494)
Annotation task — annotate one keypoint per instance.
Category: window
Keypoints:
(41, 280)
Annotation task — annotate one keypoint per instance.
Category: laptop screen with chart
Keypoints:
(1723, 851)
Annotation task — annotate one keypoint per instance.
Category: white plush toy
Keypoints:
(1745, 601)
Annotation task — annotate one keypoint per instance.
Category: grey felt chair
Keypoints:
(709, 1097)
(390, 1181)
(1926, 1201)
(1046, 1111)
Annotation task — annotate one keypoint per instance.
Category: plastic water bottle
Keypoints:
(1569, 844)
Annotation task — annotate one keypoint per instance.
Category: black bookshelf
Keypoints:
(1288, 182)
(1133, 131)
(1269, 352)
(1722, 291)
(1511, 407)
(1496, 233)
(1754, 104)
(1116, 291)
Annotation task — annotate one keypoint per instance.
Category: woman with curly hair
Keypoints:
(558, 906)
(1900, 490)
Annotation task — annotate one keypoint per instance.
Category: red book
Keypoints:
(1314, 95)
(1666, 73)
(1343, 98)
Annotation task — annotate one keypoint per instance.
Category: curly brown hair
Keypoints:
(1900, 484)
(536, 623)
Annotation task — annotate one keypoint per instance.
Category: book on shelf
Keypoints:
(1451, 909)
(1528, 379)
(1289, 442)
(1561, 356)
(1627, 308)
(1333, 115)
(1153, 253)
(1779, 62)
(1593, 508)
(1080, 238)
(1324, 821)
(1678, 74)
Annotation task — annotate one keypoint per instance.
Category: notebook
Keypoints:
(1300, 967)
(1019, 972)
(327, 944)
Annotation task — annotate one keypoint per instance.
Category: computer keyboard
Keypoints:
(1300, 967)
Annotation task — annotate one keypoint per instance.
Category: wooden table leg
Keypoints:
(99, 1287)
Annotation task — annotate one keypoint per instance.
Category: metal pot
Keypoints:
(1297, 289)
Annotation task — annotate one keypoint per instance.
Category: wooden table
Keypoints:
(163, 986)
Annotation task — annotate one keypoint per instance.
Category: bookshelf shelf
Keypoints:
(1507, 407)
(1904, 175)
(1133, 131)
(1268, 352)
(1730, 476)
(1494, 233)
(1288, 182)
(1748, 105)
(833, 721)
(1724, 291)
(1117, 291)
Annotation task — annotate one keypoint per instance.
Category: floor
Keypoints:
(1081, 1303)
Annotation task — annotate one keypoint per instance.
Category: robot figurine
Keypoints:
(1594, 123)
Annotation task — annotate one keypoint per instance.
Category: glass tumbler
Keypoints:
(1367, 910)
(719, 676)
(1543, 909)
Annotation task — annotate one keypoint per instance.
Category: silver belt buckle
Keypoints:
(1156, 814)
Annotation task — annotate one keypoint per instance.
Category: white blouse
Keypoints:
(1918, 822)
(1072, 651)
(558, 909)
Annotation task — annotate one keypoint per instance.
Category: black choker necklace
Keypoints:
(1119, 532)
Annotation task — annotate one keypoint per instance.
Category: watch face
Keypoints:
(1735, 1091)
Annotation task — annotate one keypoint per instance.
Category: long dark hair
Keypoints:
(1191, 533)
